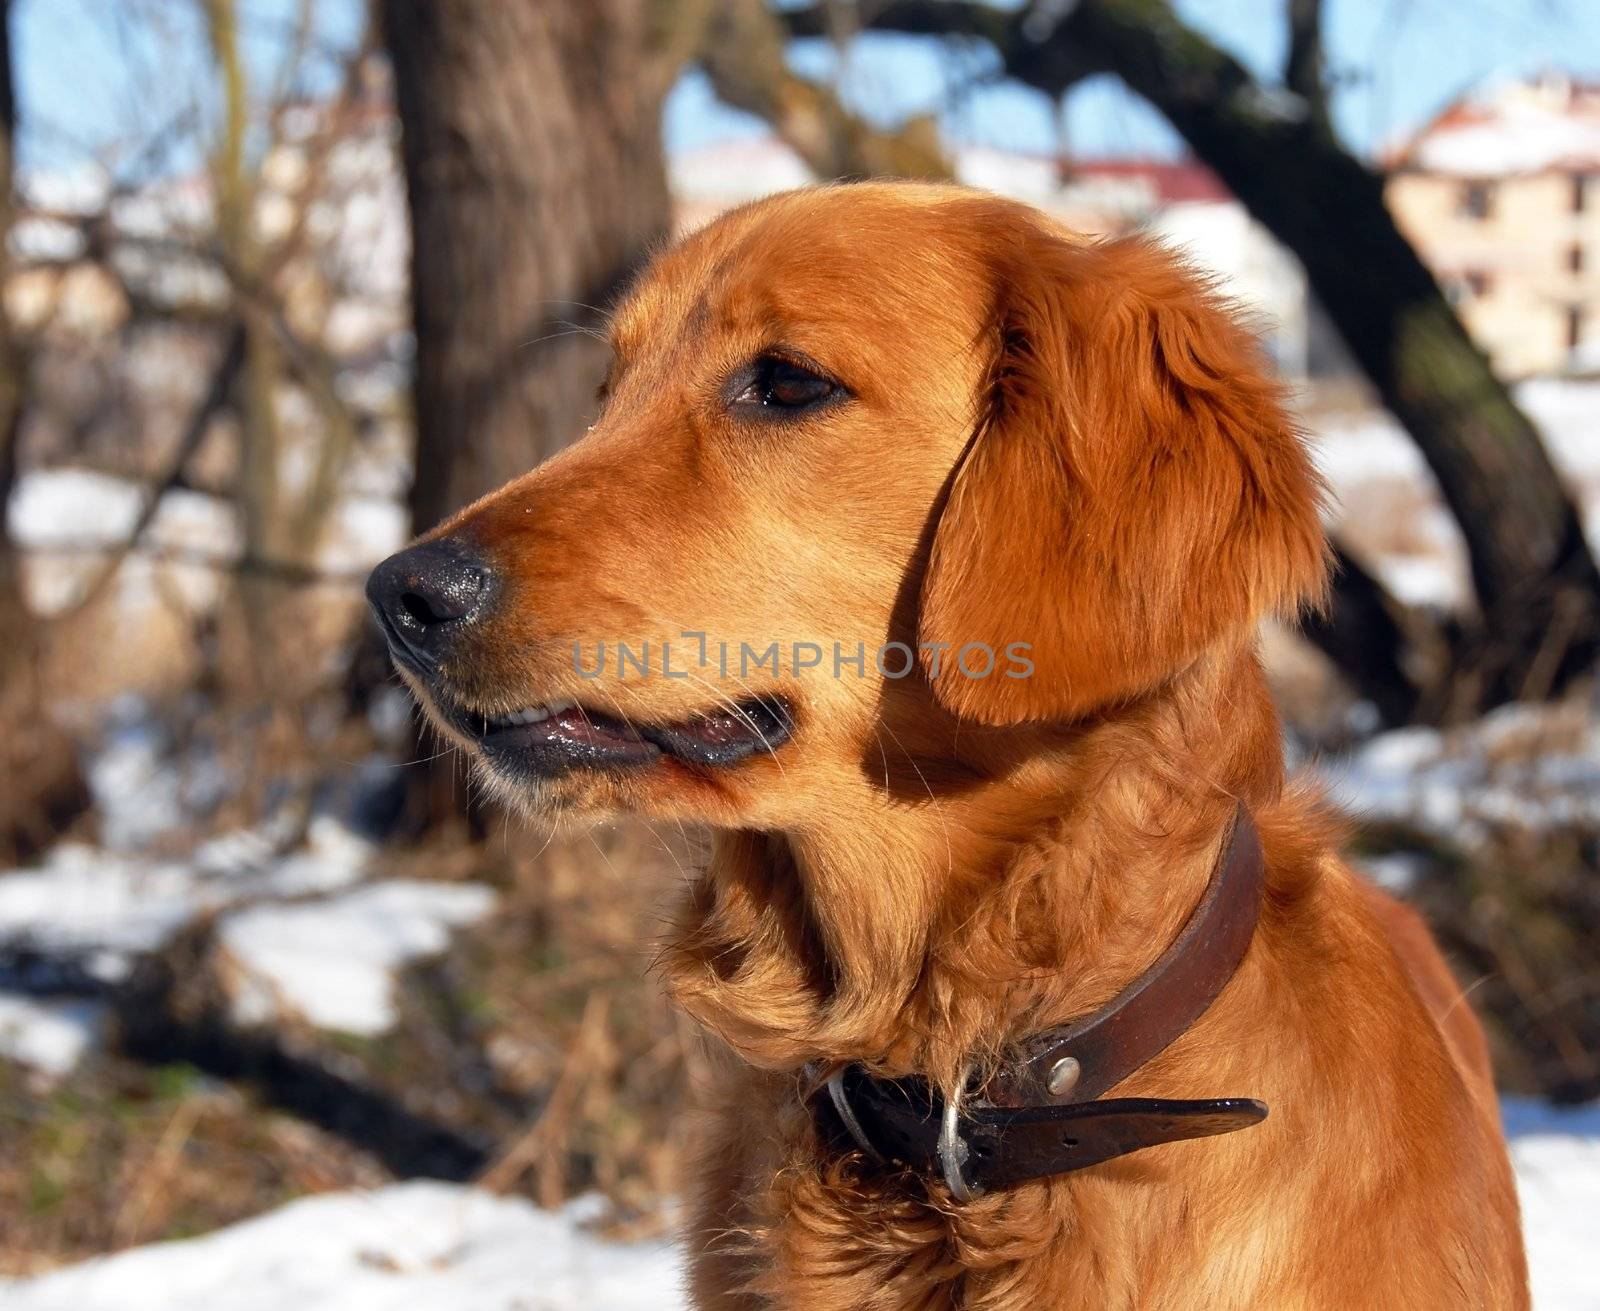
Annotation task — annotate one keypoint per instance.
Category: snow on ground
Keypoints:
(333, 962)
(56, 513)
(1557, 1156)
(1369, 462)
(89, 902)
(47, 1036)
(419, 1245)
(307, 934)
(64, 518)
(1533, 766)
(450, 1248)
(1370, 445)
(309, 930)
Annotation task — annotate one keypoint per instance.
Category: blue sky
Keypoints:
(95, 75)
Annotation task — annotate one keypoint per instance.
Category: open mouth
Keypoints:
(551, 739)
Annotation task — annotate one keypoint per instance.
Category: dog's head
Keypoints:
(880, 472)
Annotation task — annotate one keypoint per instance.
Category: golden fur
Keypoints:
(1049, 441)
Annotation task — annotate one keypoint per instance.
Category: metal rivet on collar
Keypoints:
(1064, 1075)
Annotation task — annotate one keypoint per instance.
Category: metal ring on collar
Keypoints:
(953, 1154)
(847, 1114)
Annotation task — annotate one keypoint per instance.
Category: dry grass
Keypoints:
(1520, 920)
(122, 1155)
(588, 1065)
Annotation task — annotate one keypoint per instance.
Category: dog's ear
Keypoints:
(1133, 493)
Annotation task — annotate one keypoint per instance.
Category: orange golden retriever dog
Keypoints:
(919, 550)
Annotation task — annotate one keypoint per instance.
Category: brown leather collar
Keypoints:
(1036, 1115)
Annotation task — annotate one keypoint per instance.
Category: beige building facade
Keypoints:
(1500, 194)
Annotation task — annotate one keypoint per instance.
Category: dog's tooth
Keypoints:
(556, 707)
(531, 715)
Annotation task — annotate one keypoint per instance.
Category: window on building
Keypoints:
(1477, 200)
(1574, 326)
(1580, 192)
(1575, 258)
(1459, 288)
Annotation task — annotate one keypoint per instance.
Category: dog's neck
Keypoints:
(924, 937)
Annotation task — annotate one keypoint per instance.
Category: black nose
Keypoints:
(425, 597)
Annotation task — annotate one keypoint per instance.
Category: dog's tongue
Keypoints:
(590, 728)
(725, 735)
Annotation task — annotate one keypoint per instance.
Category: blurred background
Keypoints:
(283, 282)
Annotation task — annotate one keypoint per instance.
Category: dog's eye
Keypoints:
(780, 385)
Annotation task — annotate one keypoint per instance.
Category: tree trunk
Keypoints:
(13, 367)
(1537, 585)
(531, 139)
(532, 144)
(1362, 634)
(44, 789)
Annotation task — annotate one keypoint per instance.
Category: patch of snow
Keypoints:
(78, 507)
(727, 172)
(1036, 178)
(1423, 580)
(51, 506)
(1556, 1152)
(1394, 871)
(1360, 453)
(1363, 448)
(363, 532)
(1223, 241)
(1524, 765)
(82, 187)
(64, 517)
(48, 1035)
(332, 962)
(1495, 772)
(452, 1248)
(417, 1245)
(140, 791)
(1564, 410)
(83, 900)
(305, 933)
(67, 519)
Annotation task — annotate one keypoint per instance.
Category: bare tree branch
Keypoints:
(1304, 71)
(276, 569)
(743, 55)
(211, 403)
